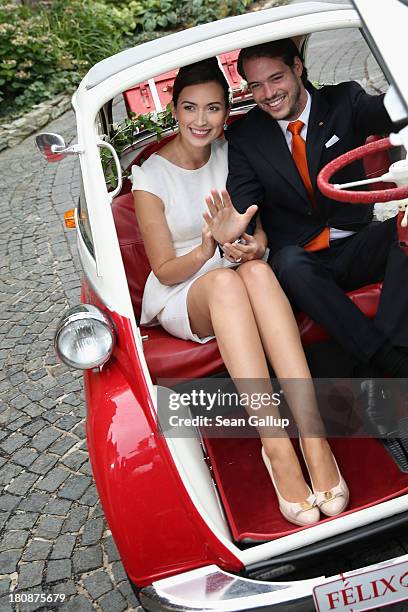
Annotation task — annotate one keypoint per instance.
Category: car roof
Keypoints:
(180, 40)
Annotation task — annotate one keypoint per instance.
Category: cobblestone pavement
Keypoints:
(54, 538)
(53, 535)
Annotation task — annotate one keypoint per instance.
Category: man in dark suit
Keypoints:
(319, 248)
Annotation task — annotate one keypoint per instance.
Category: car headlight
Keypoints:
(85, 337)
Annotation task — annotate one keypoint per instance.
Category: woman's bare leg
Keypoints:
(218, 304)
(280, 338)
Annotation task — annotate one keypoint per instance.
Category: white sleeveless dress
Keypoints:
(183, 194)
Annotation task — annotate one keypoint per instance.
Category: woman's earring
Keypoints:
(225, 126)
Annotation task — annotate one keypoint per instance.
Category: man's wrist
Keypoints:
(261, 251)
(239, 240)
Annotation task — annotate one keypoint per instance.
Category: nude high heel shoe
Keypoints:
(300, 513)
(335, 500)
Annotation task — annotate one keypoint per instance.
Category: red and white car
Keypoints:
(196, 520)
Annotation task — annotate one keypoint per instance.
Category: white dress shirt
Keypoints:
(304, 117)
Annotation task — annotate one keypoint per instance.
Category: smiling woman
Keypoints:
(200, 114)
(169, 215)
(200, 119)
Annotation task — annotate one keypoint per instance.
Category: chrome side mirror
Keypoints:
(53, 147)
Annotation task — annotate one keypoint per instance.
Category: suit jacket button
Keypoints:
(309, 212)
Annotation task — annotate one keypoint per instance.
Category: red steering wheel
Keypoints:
(358, 197)
(364, 197)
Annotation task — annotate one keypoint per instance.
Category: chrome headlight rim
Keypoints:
(85, 312)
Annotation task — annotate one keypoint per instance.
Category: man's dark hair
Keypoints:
(284, 49)
(206, 71)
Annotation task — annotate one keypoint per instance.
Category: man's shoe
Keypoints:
(380, 421)
(379, 413)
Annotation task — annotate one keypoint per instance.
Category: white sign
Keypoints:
(368, 590)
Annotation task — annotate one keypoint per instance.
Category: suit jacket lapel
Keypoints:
(319, 131)
(272, 144)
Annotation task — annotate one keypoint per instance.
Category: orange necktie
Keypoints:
(321, 241)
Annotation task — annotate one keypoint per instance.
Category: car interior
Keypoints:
(253, 517)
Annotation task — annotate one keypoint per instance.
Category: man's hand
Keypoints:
(240, 253)
(225, 222)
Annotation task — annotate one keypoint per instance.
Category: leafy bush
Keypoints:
(29, 52)
(203, 11)
(91, 30)
(46, 49)
(151, 15)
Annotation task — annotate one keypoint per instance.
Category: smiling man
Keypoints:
(277, 87)
(319, 248)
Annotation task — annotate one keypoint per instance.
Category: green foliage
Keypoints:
(153, 15)
(203, 11)
(91, 30)
(46, 51)
(125, 133)
(29, 52)
(150, 15)
(47, 48)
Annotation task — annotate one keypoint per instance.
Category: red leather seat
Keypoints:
(168, 357)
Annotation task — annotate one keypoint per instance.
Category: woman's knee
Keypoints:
(224, 283)
(256, 272)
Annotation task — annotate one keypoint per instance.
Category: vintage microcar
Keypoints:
(196, 520)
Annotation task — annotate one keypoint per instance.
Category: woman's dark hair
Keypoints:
(285, 49)
(206, 71)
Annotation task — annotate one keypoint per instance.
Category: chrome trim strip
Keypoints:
(210, 589)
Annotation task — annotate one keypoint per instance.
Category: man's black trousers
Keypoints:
(316, 283)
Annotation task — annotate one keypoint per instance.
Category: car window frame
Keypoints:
(84, 228)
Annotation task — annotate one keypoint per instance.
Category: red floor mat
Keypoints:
(249, 499)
